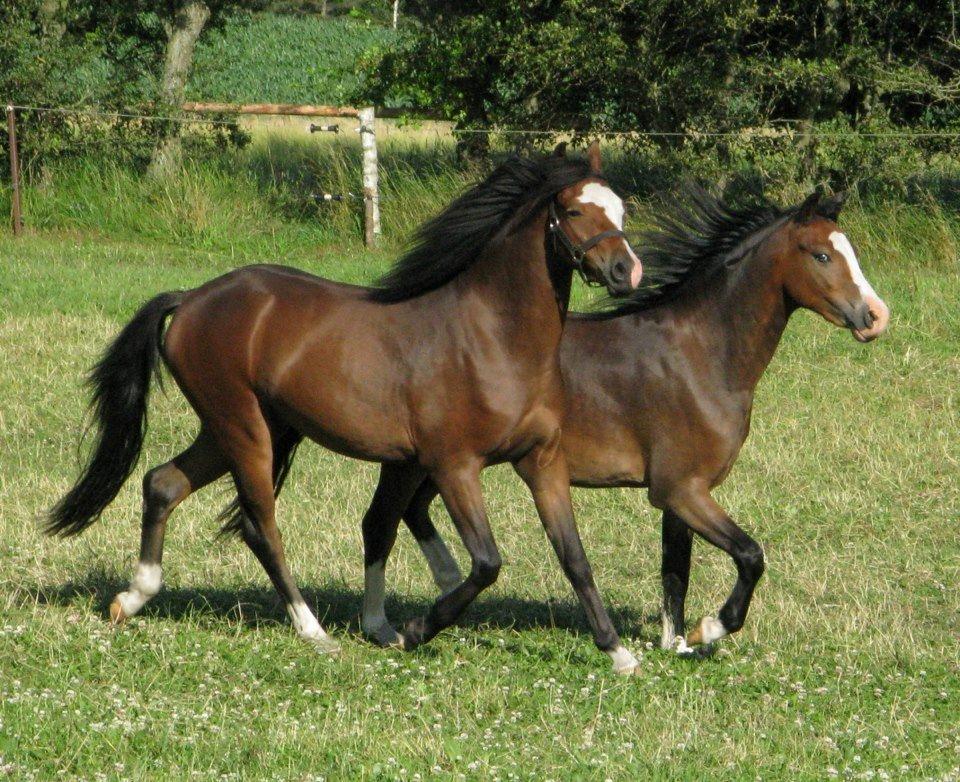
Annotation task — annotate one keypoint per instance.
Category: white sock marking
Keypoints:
(446, 572)
(374, 593)
(305, 622)
(145, 584)
(842, 245)
(623, 660)
(668, 633)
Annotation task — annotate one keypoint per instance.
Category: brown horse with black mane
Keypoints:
(659, 389)
(448, 366)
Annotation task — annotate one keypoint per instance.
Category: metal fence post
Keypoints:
(15, 212)
(371, 189)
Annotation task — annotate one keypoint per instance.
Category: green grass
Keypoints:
(848, 665)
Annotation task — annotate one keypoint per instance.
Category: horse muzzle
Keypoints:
(870, 319)
(623, 275)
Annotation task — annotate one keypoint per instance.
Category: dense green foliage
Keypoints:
(806, 70)
(282, 59)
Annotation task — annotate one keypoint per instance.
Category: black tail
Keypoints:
(121, 386)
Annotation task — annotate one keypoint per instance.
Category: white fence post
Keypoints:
(371, 188)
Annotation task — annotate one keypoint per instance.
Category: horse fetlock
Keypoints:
(708, 630)
(324, 644)
(145, 583)
(486, 570)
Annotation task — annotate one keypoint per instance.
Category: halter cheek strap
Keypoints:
(578, 252)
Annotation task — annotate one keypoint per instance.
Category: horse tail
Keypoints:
(121, 388)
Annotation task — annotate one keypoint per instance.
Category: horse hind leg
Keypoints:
(165, 487)
(394, 490)
(253, 452)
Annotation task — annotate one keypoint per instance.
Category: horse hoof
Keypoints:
(386, 637)
(624, 663)
(681, 647)
(707, 631)
(117, 616)
(326, 645)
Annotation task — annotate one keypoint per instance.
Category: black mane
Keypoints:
(449, 243)
(696, 235)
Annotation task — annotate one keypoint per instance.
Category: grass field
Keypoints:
(848, 666)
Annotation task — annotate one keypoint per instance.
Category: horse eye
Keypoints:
(821, 257)
(574, 213)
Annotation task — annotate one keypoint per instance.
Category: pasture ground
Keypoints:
(848, 666)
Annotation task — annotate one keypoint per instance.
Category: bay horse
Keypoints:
(659, 389)
(447, 365)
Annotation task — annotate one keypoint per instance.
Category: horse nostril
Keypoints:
(619, 271)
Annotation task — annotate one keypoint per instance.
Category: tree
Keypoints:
(182, 31)
(668, 64)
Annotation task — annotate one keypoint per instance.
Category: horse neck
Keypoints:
(523, 281)
(747, 313)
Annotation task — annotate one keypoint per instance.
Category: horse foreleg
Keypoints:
(394, 491)
(703, 515)
(461, 492)
(547, 477)
(677, 542)
(446, 572)
(164, 488)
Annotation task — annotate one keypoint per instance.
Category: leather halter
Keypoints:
(578, 252)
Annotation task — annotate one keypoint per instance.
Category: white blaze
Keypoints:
(842, 245)
(606, 199)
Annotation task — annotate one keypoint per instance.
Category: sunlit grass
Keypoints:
(848, 665)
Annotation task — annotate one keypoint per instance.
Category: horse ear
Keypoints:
(808, 209)
(560, 150)
(593, 157)
(830, 207)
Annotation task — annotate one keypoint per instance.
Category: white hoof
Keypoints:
(624, 663)
(680, 646)
(324, 644)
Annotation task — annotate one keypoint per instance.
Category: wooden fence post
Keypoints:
(371, 189)
(14, 172)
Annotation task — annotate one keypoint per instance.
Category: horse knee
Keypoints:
(751, 562)
(486, 568)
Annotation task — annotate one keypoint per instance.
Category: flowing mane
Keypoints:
(697, 234)
(448, 244)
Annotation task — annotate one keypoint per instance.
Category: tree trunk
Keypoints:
(396, 13)
(182, 35)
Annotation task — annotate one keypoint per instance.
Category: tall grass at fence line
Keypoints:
(259, 202)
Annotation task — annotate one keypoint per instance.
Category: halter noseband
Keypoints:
(578, 252)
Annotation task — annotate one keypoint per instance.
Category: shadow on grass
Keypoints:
(337, 607)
